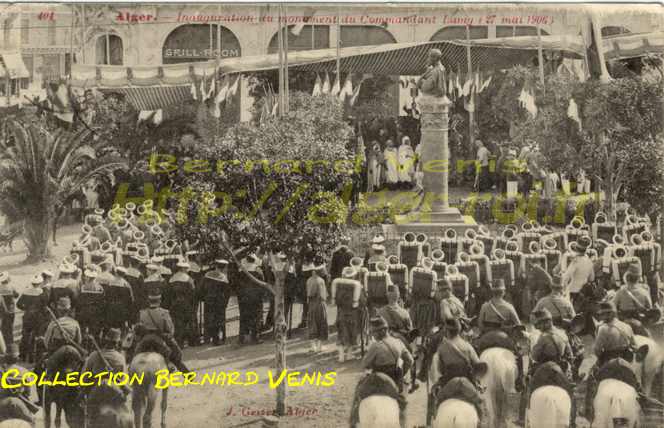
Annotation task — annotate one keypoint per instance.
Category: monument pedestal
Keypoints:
(434, 215)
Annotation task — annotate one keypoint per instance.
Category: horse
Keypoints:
(63, 361)
(550, 407)
(15, 423)
(499, 382)
(616, 405)
(144, 395)
(379, 411)
(455, 413)
(109, 410)
(647, 370)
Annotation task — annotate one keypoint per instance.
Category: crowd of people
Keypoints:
(129, 285)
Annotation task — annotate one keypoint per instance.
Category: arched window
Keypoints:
(458, 32)
(198, 42)
(614, 31)
(518, 30)
(365, 35)
(310, 37)
(109, 50)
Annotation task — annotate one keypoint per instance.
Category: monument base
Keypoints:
(431, 224)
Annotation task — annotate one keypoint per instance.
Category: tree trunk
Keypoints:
(37, 235)
(280, 332)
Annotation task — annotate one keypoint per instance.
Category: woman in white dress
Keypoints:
(391, 165)
(374, 167)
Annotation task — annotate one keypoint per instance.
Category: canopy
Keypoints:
(633, 45)
(12, 65)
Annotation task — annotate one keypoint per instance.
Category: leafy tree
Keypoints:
(285, 204)
(41, 170)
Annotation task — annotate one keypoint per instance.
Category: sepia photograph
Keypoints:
(320, 215)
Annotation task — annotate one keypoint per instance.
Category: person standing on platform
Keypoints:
(391, 165)
(317, 313)
(482, 178)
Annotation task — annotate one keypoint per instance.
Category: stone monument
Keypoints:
(434, 213)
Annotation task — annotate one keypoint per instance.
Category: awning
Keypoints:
(633, 45)
(154, 97)
(12, 65)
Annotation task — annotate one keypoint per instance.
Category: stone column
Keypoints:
(434, 214)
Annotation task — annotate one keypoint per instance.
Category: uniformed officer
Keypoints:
(633, 301)
(387, 354)
(497, 318)
(106, 276)
(450, 306)
(217, 294)
(250, 300)
(15, 403)
(135, 279)
(33, 303)
(183, 290)
(90, 303)
(340, 258)
(66, 285)
(155, 332)
(560, 308)
(8, 295)
(397, 318)
(155, 280)
(615, 339)
(119, 300)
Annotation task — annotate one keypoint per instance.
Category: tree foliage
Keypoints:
(42, 170)
(283, 192)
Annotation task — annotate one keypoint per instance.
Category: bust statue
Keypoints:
(432, 82)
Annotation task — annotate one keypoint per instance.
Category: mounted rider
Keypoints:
(498, 321)
(15, 402)
(633, 302)
(155, 332)
(551, 361)
(456, 370)
(615, 339)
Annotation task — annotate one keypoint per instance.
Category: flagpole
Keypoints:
(540, 57)
(83, 32)
(280, 40)
(286, 80)
(108, 49)
(339, 44)
(471, 114)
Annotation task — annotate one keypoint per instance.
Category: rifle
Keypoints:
(67, 339)
(32, 407)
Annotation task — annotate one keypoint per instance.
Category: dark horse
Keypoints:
(107, 408)
(63, 361)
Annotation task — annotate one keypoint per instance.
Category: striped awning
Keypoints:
(152, 97)
(11, 64)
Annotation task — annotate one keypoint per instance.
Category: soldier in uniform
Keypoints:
(217, 295)
(108, 358)
(347, 292)
(496, 319)
(89, 306)
(33, 303)
(154, 280)
(450, 306)
(183, 290)
(155, 332)
(615, 339)
(340, 258)
(66, 285)
(15, 403)
(553, 347)
(135, 279)
(53, 338)
(250, 301)
(119, 299)
(397, 318)
(633, 301)
(99, 230)
(7, 308)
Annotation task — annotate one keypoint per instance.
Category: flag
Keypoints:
(216, 112)
(573, 112)
(469, 104)
(459, 88)
(221, 95)
(477, 82)
(485, 84)
(233, 89)
(275, 109)
(158, 117)
(356, 91)
(348, 88)
(203, 91)
(527, 100)
(336, 87)
(317, 87)
(306, 17)
(213, 84)
(193, 91)
(466, 87)
(326, 84)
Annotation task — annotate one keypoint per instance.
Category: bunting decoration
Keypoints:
(203, 91)
(326, 84)
(213, 85)
(573, 112)
(193, 91)
(356, 91)
(317, 87)
(485, 84)
(233, 89)
(221, 95)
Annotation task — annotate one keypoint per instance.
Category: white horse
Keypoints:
(452, 413)
(499, 382)
(615, 400)
(651, 366)
(378, 411)
(550, 407)
(15, 423)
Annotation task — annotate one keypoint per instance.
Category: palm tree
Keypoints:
(40, 170)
